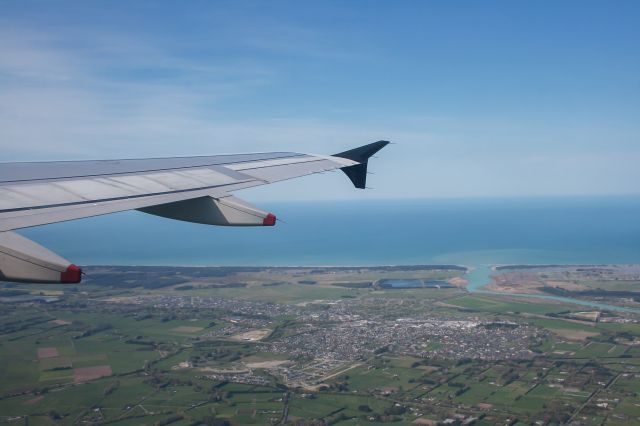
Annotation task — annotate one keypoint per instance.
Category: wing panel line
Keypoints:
(128, 197)
(219, 163)
(136, 196)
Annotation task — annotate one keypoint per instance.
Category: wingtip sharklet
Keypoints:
(363, 153)
(358, 172)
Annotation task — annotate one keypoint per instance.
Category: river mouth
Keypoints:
(480, 276)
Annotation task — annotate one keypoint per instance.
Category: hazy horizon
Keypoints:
(367, 232)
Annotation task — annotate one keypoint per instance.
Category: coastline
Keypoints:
(478, 279)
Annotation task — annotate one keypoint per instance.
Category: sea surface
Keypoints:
(469, 232)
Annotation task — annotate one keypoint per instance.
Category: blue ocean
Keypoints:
(461, 231)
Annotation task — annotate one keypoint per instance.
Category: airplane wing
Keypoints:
(193, 189)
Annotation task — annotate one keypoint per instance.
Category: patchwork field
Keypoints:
(323, 353)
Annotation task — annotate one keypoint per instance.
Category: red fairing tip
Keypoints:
(72, 275)
(270, 220)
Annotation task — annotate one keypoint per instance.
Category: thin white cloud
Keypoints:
(116, 95)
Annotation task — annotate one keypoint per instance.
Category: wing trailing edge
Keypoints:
(221, 211)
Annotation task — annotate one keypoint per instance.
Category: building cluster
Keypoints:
(354, 338)
(321, 338)
(239, 307)
(353, 329)
(249, 378)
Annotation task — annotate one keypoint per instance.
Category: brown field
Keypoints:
(458, 281)
(90, 373)
(424, 421)
(573, 334)
(47, 353)
(33, 400)
(55, 362)
(428, 368)
(253, 335)
(267, 364)
(187, 329)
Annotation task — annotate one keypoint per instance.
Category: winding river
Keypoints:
(480, 276)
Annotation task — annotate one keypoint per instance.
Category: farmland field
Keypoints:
(295, 352)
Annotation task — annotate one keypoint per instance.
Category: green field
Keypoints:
(156, 362)
(501, 305)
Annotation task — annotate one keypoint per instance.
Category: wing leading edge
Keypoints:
(193, 189)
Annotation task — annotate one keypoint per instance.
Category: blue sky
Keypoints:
(484, 99)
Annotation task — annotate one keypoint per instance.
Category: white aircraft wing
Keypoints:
(194, 189)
